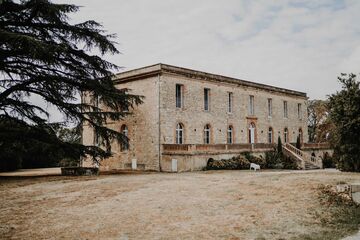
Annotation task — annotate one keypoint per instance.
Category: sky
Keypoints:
(301, 45)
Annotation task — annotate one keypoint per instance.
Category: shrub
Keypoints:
(238, 162)
(328, 161)
(289, 163)
(273, 159)
(279, 146)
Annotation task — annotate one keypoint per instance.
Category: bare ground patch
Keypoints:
(197, 205)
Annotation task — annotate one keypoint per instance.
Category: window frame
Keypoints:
(207, 99)
(299, 110)
(230, 102)
(124, 147)
(179, 133)
(207, 134)
(270, 135)
(179, 96)
(269, 107)
(285, 108)
(230, 135)
(251, 105)
(286, 135)
(96, 140)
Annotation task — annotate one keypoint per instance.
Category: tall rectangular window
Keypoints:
(285, 109)
(269, 107)
(299, 111)
(179, 95)
(251, 105)
(96, 139)
(95, 100)
(230, 102)
(206, 99)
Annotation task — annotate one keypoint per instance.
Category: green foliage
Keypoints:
(247, 155)
(319, 124)
(38, 147)
(273, 159)
(344, 109)
(253, 159)
(328, 161)
(43, 55)
(238, 162)
(279, 146)
(289, 163)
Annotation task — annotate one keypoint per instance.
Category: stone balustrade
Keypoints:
(221, 148)
(303, 155)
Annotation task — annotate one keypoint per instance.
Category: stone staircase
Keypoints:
(311, 166)
(305, 160)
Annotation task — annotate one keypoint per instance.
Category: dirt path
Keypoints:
(197, 205)
(32, 172)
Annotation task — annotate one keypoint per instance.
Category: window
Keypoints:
(206, 99)
(179, 95)
(96, 139)
(230, 135)
(252, 133)
(299, 112)
(95, 100)
(251, 105)
(230, 102)
(269, 107)
(270, 135)
(300, 135)
(179, 133)
(285, 109)
(286, 135)
(124, 146)
(207, 134)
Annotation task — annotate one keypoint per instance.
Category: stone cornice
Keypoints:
(160, 68)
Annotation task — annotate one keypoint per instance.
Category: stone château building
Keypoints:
(190, 116)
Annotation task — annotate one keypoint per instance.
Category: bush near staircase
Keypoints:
(272, 160)
(328, 161)
(238, 162)
(289, 163)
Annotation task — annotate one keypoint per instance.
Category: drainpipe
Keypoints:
(159, 133)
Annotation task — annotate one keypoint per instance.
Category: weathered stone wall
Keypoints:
(142, 130)
(194, 117)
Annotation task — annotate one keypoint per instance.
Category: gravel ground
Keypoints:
(195, 205)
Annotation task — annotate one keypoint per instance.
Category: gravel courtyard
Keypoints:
(195, 205)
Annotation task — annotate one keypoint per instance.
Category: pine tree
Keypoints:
(42, 54)
(279, 146)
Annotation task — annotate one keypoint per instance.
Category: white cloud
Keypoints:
(301, 45)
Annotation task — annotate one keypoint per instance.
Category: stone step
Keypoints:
(310, 166)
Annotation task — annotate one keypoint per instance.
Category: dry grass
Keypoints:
(198, 205)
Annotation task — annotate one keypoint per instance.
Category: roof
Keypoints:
(160, 68)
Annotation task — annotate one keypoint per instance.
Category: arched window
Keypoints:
(179, 133)
(124, 146)
(300, 135)
(252, 133)
(207, 134)
(270, 135)
(96, 139)
(286, 135)
(230, 135)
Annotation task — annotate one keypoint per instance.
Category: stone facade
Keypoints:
(152, 126)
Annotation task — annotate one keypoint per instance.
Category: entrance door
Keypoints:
(252, 133)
